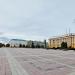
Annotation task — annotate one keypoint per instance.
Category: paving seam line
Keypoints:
(16, 68)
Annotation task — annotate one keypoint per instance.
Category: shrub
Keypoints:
(1, 45)
(20, 45)
(63, 45)
(7, 45)
(23, 46)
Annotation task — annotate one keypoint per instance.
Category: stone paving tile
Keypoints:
(42, 67)
(37, 61)
(45, 69)
(35, 65)
(4, 66)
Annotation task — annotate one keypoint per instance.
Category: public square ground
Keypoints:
(27, 61)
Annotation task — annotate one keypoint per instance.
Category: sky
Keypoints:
(36, 19)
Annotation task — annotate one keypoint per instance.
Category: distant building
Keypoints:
(36, 44)
(39, 43)
(17, 42)
(29, 43)
(56, 42)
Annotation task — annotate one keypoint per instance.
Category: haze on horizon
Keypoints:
(36, 19)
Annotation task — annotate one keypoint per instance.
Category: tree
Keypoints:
(42, 46)
(26, 46)
(23, 46)
(32, 44)
(38, 46)
(64, 45)
(7, 45)
(1, 45)
(20, 45)
(45, 43)
(14, 46)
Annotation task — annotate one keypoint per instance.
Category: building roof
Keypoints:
(17, 40)
(66, 35)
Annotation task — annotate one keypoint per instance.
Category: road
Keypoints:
(24, 61)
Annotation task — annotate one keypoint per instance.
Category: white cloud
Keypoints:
(36, 18)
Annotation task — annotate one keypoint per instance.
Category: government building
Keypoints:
(56, 42)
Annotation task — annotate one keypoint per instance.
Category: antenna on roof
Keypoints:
(66, 30)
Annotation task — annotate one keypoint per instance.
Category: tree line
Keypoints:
(22, 45)
(4, 45)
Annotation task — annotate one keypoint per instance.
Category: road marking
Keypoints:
(16, 68)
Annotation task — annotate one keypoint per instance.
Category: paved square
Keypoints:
(24, 61)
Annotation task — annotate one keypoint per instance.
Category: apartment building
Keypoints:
(56, 42)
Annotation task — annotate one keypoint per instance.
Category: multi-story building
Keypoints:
(41, 44)
(56, 42)
(17, 42)
(36, 43)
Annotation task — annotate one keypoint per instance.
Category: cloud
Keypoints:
(36, 18)
(1, 33)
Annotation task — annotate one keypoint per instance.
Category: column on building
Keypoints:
(53, 43)
(74, 41)
(49, 43)
(60, 41)
(69, 41)
(56, 43)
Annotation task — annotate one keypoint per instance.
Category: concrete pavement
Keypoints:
(21, 61)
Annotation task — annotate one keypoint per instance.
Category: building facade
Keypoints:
(17, 42)
(36, 43)
(57, 41)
